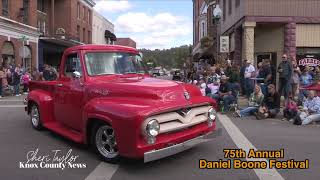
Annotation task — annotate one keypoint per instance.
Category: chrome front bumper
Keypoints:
(177, 148)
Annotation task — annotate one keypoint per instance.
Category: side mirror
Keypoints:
(76, 75)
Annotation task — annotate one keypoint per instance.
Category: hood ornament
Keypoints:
(186, 95)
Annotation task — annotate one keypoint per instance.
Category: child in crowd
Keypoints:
(291, 109)
(25, 82)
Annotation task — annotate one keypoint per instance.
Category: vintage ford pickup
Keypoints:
(104, 98)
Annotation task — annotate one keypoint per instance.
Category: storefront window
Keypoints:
(7, 52)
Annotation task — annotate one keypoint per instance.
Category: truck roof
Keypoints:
(103, 47)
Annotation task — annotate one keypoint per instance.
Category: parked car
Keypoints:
(157, 72)
(104, 99)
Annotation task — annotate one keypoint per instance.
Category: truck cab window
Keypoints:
(72, 64)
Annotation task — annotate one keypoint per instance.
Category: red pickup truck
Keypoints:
(104, 98)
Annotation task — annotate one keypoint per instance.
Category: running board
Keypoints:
(64, 131)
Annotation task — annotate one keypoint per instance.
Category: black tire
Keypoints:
(97, 140)
(35, 117)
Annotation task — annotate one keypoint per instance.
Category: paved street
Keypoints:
(18, 138)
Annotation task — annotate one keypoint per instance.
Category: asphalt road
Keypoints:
(18, 138)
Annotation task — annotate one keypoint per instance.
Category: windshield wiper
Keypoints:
(106, 74)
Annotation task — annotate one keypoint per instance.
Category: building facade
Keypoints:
(101, 28)
(126, 42)
(204, 27)
(18, 33)
(265, 29)
(62, 24)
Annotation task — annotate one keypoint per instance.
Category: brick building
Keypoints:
(265, 29)
(62, 23)
(18, 33)
(126, 42)
(204, 26)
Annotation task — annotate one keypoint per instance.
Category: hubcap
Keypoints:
(106, 142)
(35, 116)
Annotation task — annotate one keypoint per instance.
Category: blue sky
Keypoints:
(153, 24)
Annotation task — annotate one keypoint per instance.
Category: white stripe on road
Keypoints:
(11, 100)
(243, 143)
(11, 106)
(103, 171)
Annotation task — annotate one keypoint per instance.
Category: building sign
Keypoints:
(224, 44)
(309, 62)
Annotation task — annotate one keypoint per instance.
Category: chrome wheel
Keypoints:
(106, 142)
(35, 118)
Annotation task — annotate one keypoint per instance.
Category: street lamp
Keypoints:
(216, 13)
(216, 16)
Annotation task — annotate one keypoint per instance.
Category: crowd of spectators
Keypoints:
(266, 96)
(14, 79)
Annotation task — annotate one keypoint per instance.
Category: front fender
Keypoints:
(123, 114)
(44, 101)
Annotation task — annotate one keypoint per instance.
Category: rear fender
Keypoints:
(44, 101)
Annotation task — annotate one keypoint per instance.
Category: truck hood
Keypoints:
(151, 90)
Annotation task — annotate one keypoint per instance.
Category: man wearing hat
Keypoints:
(225, 93)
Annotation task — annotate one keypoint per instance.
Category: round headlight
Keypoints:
(212, 114)
(153, 128)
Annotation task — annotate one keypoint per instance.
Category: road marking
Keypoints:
(103, 171)
(243, 143)
(11, 106)
(11, 100)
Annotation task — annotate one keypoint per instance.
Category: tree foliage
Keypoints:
(168, 58)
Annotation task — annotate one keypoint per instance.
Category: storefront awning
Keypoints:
(67, 43)
(110, 35)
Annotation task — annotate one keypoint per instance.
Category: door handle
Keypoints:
(59, 85)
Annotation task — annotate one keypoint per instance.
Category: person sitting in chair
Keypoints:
(225, 93)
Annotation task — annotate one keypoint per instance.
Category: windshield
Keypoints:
(104, 63)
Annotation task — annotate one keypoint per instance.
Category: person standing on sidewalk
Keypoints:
(295, 79)
(242, 79)
(248, 74)
(2, 76)
(266, 74)
(285, 74)
(17, 80)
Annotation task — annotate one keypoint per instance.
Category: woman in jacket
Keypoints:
(255, 100)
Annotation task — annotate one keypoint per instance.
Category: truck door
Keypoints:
(69, 93)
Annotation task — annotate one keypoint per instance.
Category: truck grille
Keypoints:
(181, 119)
